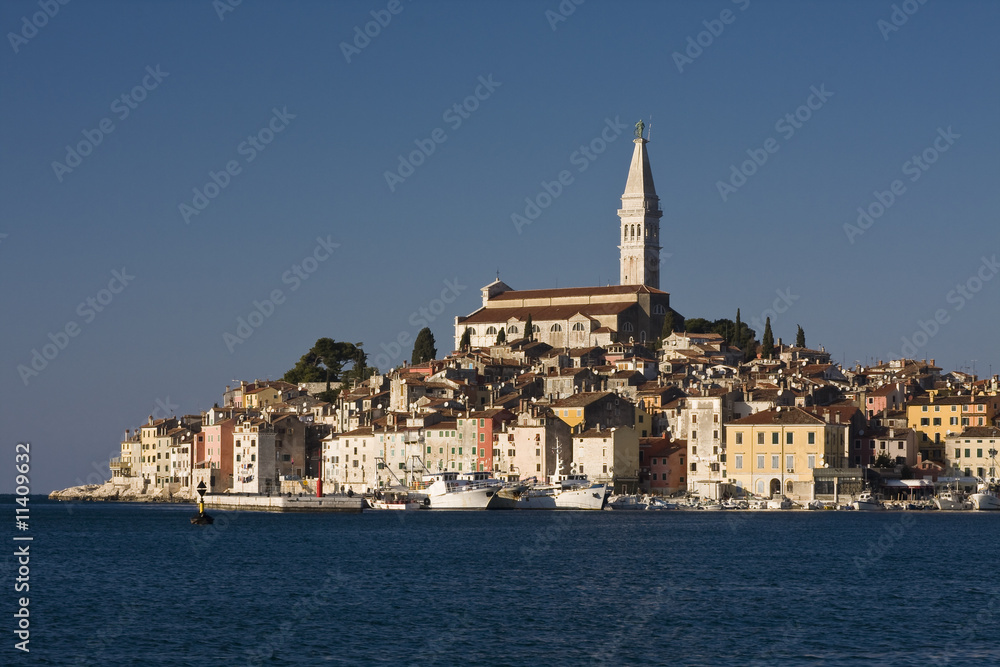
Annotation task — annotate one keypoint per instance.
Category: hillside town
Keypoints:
(610, 383)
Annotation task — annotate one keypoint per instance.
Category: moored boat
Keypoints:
(868, 502)
(575, 492)
(455, 491)
(394, 499)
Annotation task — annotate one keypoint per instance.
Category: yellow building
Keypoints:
(774, 451)
(935, 419)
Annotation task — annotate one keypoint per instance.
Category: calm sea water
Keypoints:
(120, 584)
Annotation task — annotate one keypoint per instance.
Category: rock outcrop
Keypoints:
(114, 493)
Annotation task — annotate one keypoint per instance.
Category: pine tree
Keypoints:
(502, 336)
(529, 328)
(423, 347)
(466, 341)
(800, 337)
(767, 342)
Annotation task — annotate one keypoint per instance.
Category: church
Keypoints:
(632, 311)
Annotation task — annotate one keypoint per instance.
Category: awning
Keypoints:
(908, 484)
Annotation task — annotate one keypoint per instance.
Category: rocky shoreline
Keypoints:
(109, 492)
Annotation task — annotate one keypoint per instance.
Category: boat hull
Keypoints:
(985, 502)
(465, 499)
(868, 506)
(949, 504)
(591, 498)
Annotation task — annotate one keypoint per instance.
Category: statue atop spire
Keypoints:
(639, 127)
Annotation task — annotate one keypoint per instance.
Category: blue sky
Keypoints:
(158, 340)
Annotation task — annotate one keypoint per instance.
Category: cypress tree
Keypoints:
(502, 336)
(767, 342)
(423, 347)
(800, 337)
(466, 341)
(528, 328)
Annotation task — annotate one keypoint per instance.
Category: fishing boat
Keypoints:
(987, 495)
(394, 499)
(952, 499)
(868, 502)
(574, 492)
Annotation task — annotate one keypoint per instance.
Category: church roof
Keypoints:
(544, 313)
(609, 290)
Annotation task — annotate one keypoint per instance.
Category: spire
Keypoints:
(640, 176)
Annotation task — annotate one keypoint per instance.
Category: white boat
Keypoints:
(394, 499)
(987, 496)
(868, 502)
(626, 502)
(575, 492)
(781, 503)
(660, 504)
(950, 500)
(455, 491)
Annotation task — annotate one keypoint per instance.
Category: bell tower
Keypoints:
(640, 221)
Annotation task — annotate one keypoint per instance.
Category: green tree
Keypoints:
(324, 362)
(529, 328)
(423, 347)
(749, 349)
(502, 336)
(767, 343)
(800, 337)
(884, 461)
(698, 325)
(667, 329)
(466, 341)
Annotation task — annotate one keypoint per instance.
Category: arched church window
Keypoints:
(555, 327)
(512, 329)
(472, 332)
(491, 331)
(642, 336)
(535, 329)
(578, 326)
(627, 327)
(659, 310)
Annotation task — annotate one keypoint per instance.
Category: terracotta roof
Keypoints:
(789, 415)
(494, 315)
(575, 292)
(980, 432)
